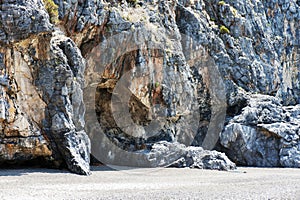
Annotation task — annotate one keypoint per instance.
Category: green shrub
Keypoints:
(221, 3)
(52, 10)
(224, 30)
(157, 84)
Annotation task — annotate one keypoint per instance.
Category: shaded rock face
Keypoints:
(49, 74)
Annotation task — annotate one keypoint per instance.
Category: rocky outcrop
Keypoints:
(147, 72)
(256, 48)
(22, 109)
(20, 19)
(196, 157)
(41, 90)
(266, 133)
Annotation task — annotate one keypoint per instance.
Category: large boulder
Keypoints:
(266, 133)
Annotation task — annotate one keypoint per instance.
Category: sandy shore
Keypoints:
(105, 183)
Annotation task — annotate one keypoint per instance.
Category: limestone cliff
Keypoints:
(180, 71)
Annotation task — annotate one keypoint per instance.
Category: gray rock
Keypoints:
(177, 155)
(64, 121)
(197, 157)
(250, 147)
(20, 19)
(253, 44)
(266, 133)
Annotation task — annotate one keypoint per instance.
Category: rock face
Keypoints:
(151, 71)
(22, 109)
(41, 90)
(264, 134)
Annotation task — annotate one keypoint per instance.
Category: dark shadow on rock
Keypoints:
(101, 168)
(25, 171)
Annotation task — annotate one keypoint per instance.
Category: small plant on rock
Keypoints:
(52, 10)
(157, 84)
(224, 30)
(221, 3)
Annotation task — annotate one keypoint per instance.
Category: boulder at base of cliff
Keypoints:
(265, 134)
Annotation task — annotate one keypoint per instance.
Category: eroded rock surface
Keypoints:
(266, 133)
(49, 74)
(41, 91)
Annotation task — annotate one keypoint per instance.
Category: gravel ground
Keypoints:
(170, 183)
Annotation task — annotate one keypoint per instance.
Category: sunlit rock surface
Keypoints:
(217, 68)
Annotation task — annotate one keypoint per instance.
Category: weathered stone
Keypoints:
(20, 19)
(62, 91)
(34, 108)
(174, 154)
(253, 44)
(197, 157)
(266, 133)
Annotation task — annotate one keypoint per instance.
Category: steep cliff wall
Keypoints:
(41, 96)
(217, 74)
